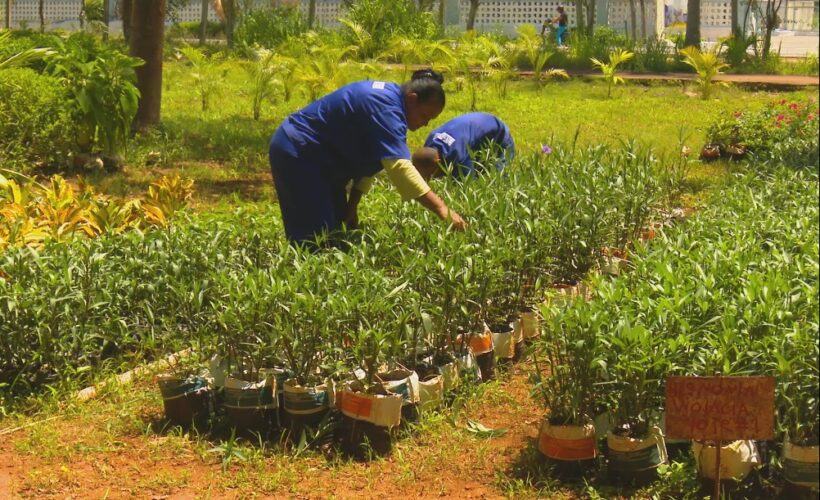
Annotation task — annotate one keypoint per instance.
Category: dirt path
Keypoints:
(112, 448)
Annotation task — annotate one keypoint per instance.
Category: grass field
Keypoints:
(225, 151)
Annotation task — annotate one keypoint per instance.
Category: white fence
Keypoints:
(503, 15)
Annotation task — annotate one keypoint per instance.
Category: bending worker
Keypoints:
(452, 145)
(323, 157)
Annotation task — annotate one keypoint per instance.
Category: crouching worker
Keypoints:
(323, 157)
(450, 148)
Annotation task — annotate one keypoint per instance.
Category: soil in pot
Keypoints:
(364, 429)
(503, 342)
(634, 461)
(571, 449)
(251, 408)
(363, 440)
(187, 402)
(305, 407)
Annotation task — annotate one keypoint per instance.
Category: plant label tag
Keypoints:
(378, 85)
(720, 408)
(445, 138)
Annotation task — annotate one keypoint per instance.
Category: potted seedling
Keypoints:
(186, 394)
(566, 359)
(797, 398)
(635, 445)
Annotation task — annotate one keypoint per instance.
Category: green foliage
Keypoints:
(706, 65)
(610, 69)
(736, 48)
(269, 28)
(191, 29)
(10, 58)
(37, 124)
(102, 83)
(782, 132)
(205, 73)
(384, 19)
(94, 10)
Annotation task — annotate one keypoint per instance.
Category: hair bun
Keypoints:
(423, 74)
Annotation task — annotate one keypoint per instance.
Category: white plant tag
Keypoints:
(445, 138)
(378, 85)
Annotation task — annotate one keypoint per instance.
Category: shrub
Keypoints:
(191, 30)
(36, 122)
(94, 10)
(782, 132)
(383, 19)
(269, 27)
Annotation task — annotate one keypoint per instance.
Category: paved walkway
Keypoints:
(769, 80)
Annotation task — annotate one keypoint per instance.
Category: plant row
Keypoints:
(734, 291)
(400, 290)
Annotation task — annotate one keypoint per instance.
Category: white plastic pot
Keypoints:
(801, 464)
(403, 382)
(449, 375)
(630, 455)
(244, 395)
(567, 442)
(737, 459)
(383, 410)
(529, 325)
(303, 400)
(503, 342)
(431, 392)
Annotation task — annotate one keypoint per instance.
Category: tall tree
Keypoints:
(41, 13)
(311, 13)
(230, 9)
(106, 17)
(125, 14)
(735, 10)
(692, 23)
(203, 22)
(147, 37)
(471, 14)
(770, 21)
(8, 14)
(642, 4)
(590, 10)
(633, 20)
(579, 16)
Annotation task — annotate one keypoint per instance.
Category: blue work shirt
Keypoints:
(459, 137)
(350, 131)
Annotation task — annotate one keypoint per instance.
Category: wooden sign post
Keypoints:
(720, 409)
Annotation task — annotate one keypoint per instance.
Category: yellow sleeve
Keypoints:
(364, 184)
(406, 178)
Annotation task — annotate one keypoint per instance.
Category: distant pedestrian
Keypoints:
(561, 21)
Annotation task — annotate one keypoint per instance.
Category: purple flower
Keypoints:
(546, 149)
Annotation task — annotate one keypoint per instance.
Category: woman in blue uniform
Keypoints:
(454, 143)
(323, 157)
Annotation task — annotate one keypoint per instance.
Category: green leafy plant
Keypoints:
(706, 65)
(205, 73)
(610, 69)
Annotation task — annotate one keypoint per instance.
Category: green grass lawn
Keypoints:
(225, 151)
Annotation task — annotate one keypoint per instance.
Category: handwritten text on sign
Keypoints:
(720, 408)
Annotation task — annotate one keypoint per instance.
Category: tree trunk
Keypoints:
(106, 17)
(311, 13)
(471, 14)
(633, 19)
(590, 7)
(8, 14)
(770, 20)
(441, 10)
(735, 6)
(203, 23)
(147, 37)
(692, 23)
(125, 14)
(643, 18)
(41, 13)
(579, 16)
(229, 8)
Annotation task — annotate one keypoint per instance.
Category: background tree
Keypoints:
(471, 14)
(311, 13)
(692, 23)
(579, 16)
(125, 15)
(770, 22)
(633, 19)
(203, 22)
(41, 13)
(147, 37)
(230, 9)
(8, 14)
